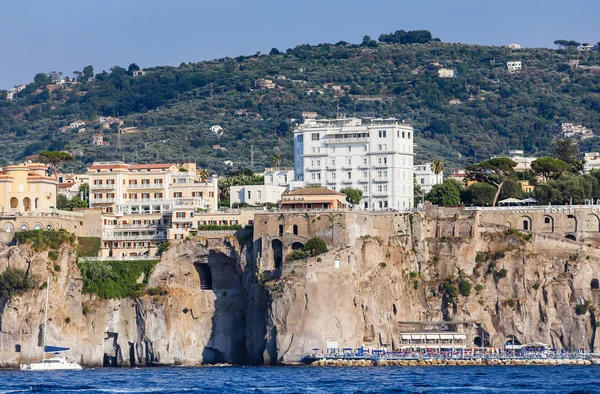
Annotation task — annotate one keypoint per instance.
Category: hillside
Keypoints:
(174, 108)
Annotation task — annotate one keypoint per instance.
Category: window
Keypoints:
(180, 215)
(364, 148)
(319, 163)
(333, 162)
(177, 194)
(403, 134)
(364, 161)
(422, 181)
(365, 189)
(332, 176)
(315, 136)
(409, 135)
(312, 163)
(364, 174)
(158, 195)
(382, 133)
(249, 194)
(349, 175)
(349, 161)
(259, 194)
(349, 148)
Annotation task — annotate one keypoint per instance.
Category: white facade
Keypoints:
(376, 158)
(255, 194)
(445, 73)
(514, 46)
(426, 178)
(279, 176)
(592, 162)
(514, 66)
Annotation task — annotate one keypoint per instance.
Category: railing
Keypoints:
(123, 258)
(363, 180)
(380, 179)
(103, 186)
(114, 237)
(133, 226)
(102, 200)
(524, 208)
(189, 202)
(329, 140)
(146, 186)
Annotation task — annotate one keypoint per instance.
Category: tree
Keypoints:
(437, 167)
(511, 189)
(445, 194)
(41, 79)
(561, 43)
(494, 171)
(353, 196)
(62, 203)
(55, 159)
(565, 150)
(132, 67)
(204, 175)
(549, 167)
(316, 246)
(276, 160)
(88, 72)
(479, 194)
(84, 191)
(274, 51)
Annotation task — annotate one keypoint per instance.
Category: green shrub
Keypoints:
(478, 287)
(319, 260)
(53, 255)
(85, 310)
(501, 273)
(316, 246)
(581, 309)
(163, 247)
(450, 290)
(216, 227)
(15, 281)
(464, 287)
(115, 279)
(67, 320)
(536, 285)
(415, 284)
(45, 239)
(56, 267)
(510, 302)
(382, 265)
(299, 254)
(414, 275)
(88, 246)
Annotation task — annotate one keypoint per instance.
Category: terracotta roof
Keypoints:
(107, 166)
(314, 191)
(65, 185)
(164, 166)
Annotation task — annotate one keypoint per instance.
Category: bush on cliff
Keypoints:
(314, 247)
(45, 239)
(464, 287)
(15, 281)
(88, 246)
(115, 279)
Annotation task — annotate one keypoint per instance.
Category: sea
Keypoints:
(508, 379)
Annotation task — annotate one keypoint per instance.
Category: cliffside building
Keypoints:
(25, 188)
(375, 157)
(426, 178)
(140, 201)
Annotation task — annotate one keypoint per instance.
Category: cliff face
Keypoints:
(409, 280)
(383, 275)
(189, 325)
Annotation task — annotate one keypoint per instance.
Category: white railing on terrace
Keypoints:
(146, 186)
(123, 258)
(114, 237)
(346, 140)
(556, 208)
(190, 202)
(103, 186)
(132, 226)
(146, 200)
(102, 200)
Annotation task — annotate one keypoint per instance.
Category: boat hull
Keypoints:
(50, 367)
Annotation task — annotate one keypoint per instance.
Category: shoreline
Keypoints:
(442, 362)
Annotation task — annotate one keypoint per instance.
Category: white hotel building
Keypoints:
(376, 158)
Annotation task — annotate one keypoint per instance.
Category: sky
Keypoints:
(66, 35)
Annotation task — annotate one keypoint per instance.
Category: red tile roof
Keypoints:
(164, 166)
(314, 191)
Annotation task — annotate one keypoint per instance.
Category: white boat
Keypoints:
(53, 363)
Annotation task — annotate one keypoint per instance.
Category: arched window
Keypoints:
(295, 229)
(547, 220)
(14, 203)
(24, 227)
(281, 230)
(37, 226)
(277, 247)
(27, 204)
(10, 228)
(525, 225)
(36, 203)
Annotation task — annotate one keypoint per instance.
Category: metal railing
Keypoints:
(102, 200)
(146, 186)
(122, 258)
(113, 237)
(103, 186)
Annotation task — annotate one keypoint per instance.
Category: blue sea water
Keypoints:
(526, 379)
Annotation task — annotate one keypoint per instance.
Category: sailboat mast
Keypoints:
(46, 317)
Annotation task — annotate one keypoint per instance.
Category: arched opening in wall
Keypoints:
(277, 247)
(49, 227)
(36, 203)
(281, 230)
(23, 227)
(37, 226)
(595, 285)
(591, 223)
(570, 224)
(295, 228)
(571, 237)
(27, 204)
(205, 275)
(548, 224)
(10, 228)
(525, 224)
(511, 340)
(477, 341)
(297, 245)
(14, 203)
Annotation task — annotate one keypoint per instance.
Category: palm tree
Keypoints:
(437, 167)
(204, 175)
(276, 159)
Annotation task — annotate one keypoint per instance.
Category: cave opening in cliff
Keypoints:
(277, 247)
(205, 276)
(595, 285)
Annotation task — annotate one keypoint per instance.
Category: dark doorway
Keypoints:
(205, 276)
(595, 284)
(295, 229)
(297, 245)
(277, 247)
(281, 230)
(571, 237)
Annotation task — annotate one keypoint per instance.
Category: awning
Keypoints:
(55, 349)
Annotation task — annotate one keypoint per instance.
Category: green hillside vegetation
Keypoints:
(174, 108)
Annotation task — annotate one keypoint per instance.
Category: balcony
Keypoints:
(380, 194)
(380, 179)
(382, 165)
(189, 203)
(136, 201)
(146, 186)
(313, 168)
(106, 186)
(363, 180)
(102, 200)
(132, 226)
(346, 180)
(131, 237)
(330, 140)
(332, 181)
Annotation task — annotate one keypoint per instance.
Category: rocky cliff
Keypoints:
(386, 278)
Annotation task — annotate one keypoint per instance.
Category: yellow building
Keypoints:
(141, 201)
(25, 188)
(526, 187)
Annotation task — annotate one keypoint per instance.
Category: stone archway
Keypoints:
(547, 225)
(277, 247)
(595, 284)
(297, 245)
(525, 223)
(570, 225)
(591, 223)
(205, 274)
(27, 204)
(14, 203)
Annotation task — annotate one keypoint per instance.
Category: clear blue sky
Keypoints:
(66, 35)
